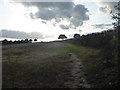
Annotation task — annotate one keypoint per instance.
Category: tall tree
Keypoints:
(116, 17)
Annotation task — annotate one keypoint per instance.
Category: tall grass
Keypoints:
(36, 68)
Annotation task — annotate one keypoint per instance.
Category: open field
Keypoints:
(35, 65)
(53, 65)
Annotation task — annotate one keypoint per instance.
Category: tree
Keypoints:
(62, 36)
(18, 41)
(5, 41)
(116, 16)
(35, 40)
(22, 41)
(30, 40)
(10, 42)
(26, 40)
(115, 41)
(76, 36)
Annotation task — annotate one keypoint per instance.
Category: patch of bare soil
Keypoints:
(77, 78)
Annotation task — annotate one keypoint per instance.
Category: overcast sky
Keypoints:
(50, 19)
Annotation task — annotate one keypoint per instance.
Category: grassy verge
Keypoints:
(98, 74)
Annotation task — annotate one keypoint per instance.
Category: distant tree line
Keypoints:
(6, 42)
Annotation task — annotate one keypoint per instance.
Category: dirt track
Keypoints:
(77, 75)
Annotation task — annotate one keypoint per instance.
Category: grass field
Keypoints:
(35, 66)
(48, 65)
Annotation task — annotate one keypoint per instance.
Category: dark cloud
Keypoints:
(80, 30)
(64, 26)
(50, 5)
(45, 14)
(102, 26)
(79, 12)
(60, 11)
(44, 22)
(76, 22)
(21, 35)
(79, 15)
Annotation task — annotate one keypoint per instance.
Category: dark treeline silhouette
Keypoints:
(6, 42)
(96, 40)
(107, 41)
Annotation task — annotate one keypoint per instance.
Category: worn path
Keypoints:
(77, 79)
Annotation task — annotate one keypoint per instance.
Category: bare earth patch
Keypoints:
(77, 79)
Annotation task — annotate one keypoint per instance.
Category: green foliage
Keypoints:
(80, 50)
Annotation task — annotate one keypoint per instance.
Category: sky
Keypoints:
(47, 20)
